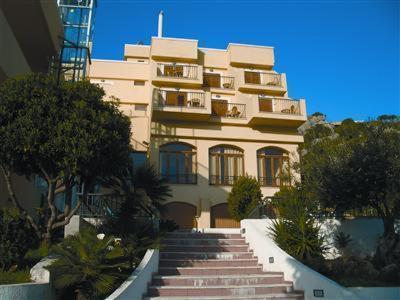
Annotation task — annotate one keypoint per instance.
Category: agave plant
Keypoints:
(89, 266)
(296, 231)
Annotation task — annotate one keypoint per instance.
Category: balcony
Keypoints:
(255, 81)
(180, 178)
(172, 74)
(278, 111)
(223, 180)
(223, 109)
(177, 104)
(212, 80)
(279, 105)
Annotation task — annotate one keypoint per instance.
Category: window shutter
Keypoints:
(265, 105)
(252, 77)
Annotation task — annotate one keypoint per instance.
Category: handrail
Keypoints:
(223, 180)
(228, 110)
(262, 78)
(279, 105)
(223, 82)
(178, 98)
(177, 71)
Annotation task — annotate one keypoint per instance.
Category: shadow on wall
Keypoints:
(200, 205)
(364, 233)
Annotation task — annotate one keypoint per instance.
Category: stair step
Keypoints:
(195, 248)
(206, 255)
(203, 241)
(210, 270)
(245, 290)
(286, 296)
(184, 235)
(208, 262)
(209, 280)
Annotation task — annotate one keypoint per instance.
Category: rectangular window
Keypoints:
(139, 83)
(212, 80)
(252, 77)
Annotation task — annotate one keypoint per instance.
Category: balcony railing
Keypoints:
(179, 99)
(228, 110)
(100, 205)
(217, 81)
(177, 71)
(278, 105)
(273, 181)
(262, 78)
(223, 180)
(180, 178)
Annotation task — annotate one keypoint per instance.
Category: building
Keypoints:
(30, 34)
(204, 117)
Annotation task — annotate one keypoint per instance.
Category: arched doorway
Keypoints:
(181, 213)
(220, 217)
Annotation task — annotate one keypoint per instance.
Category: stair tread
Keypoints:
(265, 296)
(211, 259)
(244, 276)
(204, 239)
(218, 268)
(219, 286)
(209, 252)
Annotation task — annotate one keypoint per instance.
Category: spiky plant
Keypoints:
(89, 266)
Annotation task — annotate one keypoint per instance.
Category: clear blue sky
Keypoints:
(341, 56)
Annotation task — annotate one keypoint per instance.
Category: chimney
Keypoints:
(160, 23)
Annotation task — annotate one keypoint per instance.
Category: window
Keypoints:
(139, 159)
(265, 104)
(273, 163)
(211, 80)
(141, 107)
(174, 98)
(178, 163)
(139, 83)
(226, 165)
(252, 77)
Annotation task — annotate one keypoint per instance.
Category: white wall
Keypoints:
(303, 278)
(136, 285)
(364, 232)
(40, 288)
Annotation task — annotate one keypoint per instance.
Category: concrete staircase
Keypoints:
(214, 266)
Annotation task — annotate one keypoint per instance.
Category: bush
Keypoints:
(89, 266)
(16, 237)
(15, 277)
(296, 230)
(244, 197)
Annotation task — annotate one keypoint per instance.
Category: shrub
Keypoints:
(244, 197)
(15, 277)
(88, 266)
(16, 237)
(296, 230)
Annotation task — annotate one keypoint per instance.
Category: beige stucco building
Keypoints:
(204, 117)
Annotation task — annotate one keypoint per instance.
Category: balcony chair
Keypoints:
(234, 113)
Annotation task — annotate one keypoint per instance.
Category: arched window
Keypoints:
(273, 167)
(226, 164)
(178, 163)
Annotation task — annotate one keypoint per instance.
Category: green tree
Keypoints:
(89, 266)
(357, 167)
(66, 134)
(244, 197)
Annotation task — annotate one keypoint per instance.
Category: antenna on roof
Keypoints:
(160, 23)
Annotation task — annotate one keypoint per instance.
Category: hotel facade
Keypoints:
(203, 117)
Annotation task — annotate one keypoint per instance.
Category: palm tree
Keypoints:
(89, 266)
